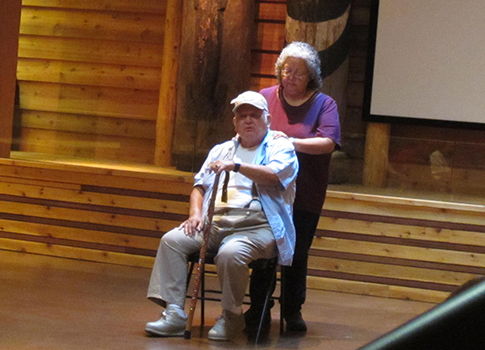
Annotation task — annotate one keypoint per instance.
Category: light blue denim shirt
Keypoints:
(277, 200)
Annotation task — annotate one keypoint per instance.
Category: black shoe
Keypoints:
(295, 323)
(253, 317)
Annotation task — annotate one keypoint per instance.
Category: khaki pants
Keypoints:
(236, 247)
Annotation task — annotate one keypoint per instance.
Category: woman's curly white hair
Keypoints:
(306, 52)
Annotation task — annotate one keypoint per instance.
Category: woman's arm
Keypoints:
(314, 145)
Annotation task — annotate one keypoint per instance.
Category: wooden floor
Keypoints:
(55, 303)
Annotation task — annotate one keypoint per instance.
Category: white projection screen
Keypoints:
(426, 62)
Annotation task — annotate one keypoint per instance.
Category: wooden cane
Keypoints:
(202, 254)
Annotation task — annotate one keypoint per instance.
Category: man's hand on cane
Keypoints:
(219, 166)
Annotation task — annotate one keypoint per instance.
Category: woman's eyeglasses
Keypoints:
(297, 75)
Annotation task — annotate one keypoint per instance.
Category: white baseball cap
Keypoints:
(251, 98)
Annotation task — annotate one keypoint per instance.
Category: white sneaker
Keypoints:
(228, 326)
(170, 324)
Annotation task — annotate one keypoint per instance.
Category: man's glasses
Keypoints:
(297, 75)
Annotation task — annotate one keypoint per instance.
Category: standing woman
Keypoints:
(310, 119)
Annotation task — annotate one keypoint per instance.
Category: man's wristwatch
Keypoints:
(236, 167)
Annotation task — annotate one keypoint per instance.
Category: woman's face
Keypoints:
(294, 76)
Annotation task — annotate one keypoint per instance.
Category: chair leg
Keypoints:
(282, 300)
(189, 275)
(265, 306)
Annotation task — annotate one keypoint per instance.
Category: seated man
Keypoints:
(252, 220)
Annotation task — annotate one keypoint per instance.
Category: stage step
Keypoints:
(366, 244)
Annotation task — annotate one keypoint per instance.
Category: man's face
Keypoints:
(250, 125)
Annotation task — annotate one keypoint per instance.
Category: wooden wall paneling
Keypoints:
(78, 234)
(376, 289)
(357, 68)
(469, 183)
(55, 142)
(466, 136)
(79, 245)
(104, 25)
(82, 99)
(123, 225)
(360, 15)
(440, 160)
(402, 231)
(89, 216)
(469, 154)
(88, 124)
(9, 19)
(263, 63)
(135, 150)
(420, 177)
(107, 217)
(45, 192)
(421, 151)
(75, 231)
(400, 252)
(270, 36)
(149, 182)
(408, 208)
(87, 50)
(406, 275)
(93, 74)
(355, 92)
(346, 286)
(100, 60)
(257, 83)
(425, 295)
(270, 40)
(15, 180)
(419, 254)
(74, 144)
(149, 6)
(68, 169)
(272, 11)
(77, 253)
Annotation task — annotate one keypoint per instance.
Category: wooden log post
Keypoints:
(168, 88)
(376, 158)
(324, 24)
(9, 38)
(207, 57)
(215, 56)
